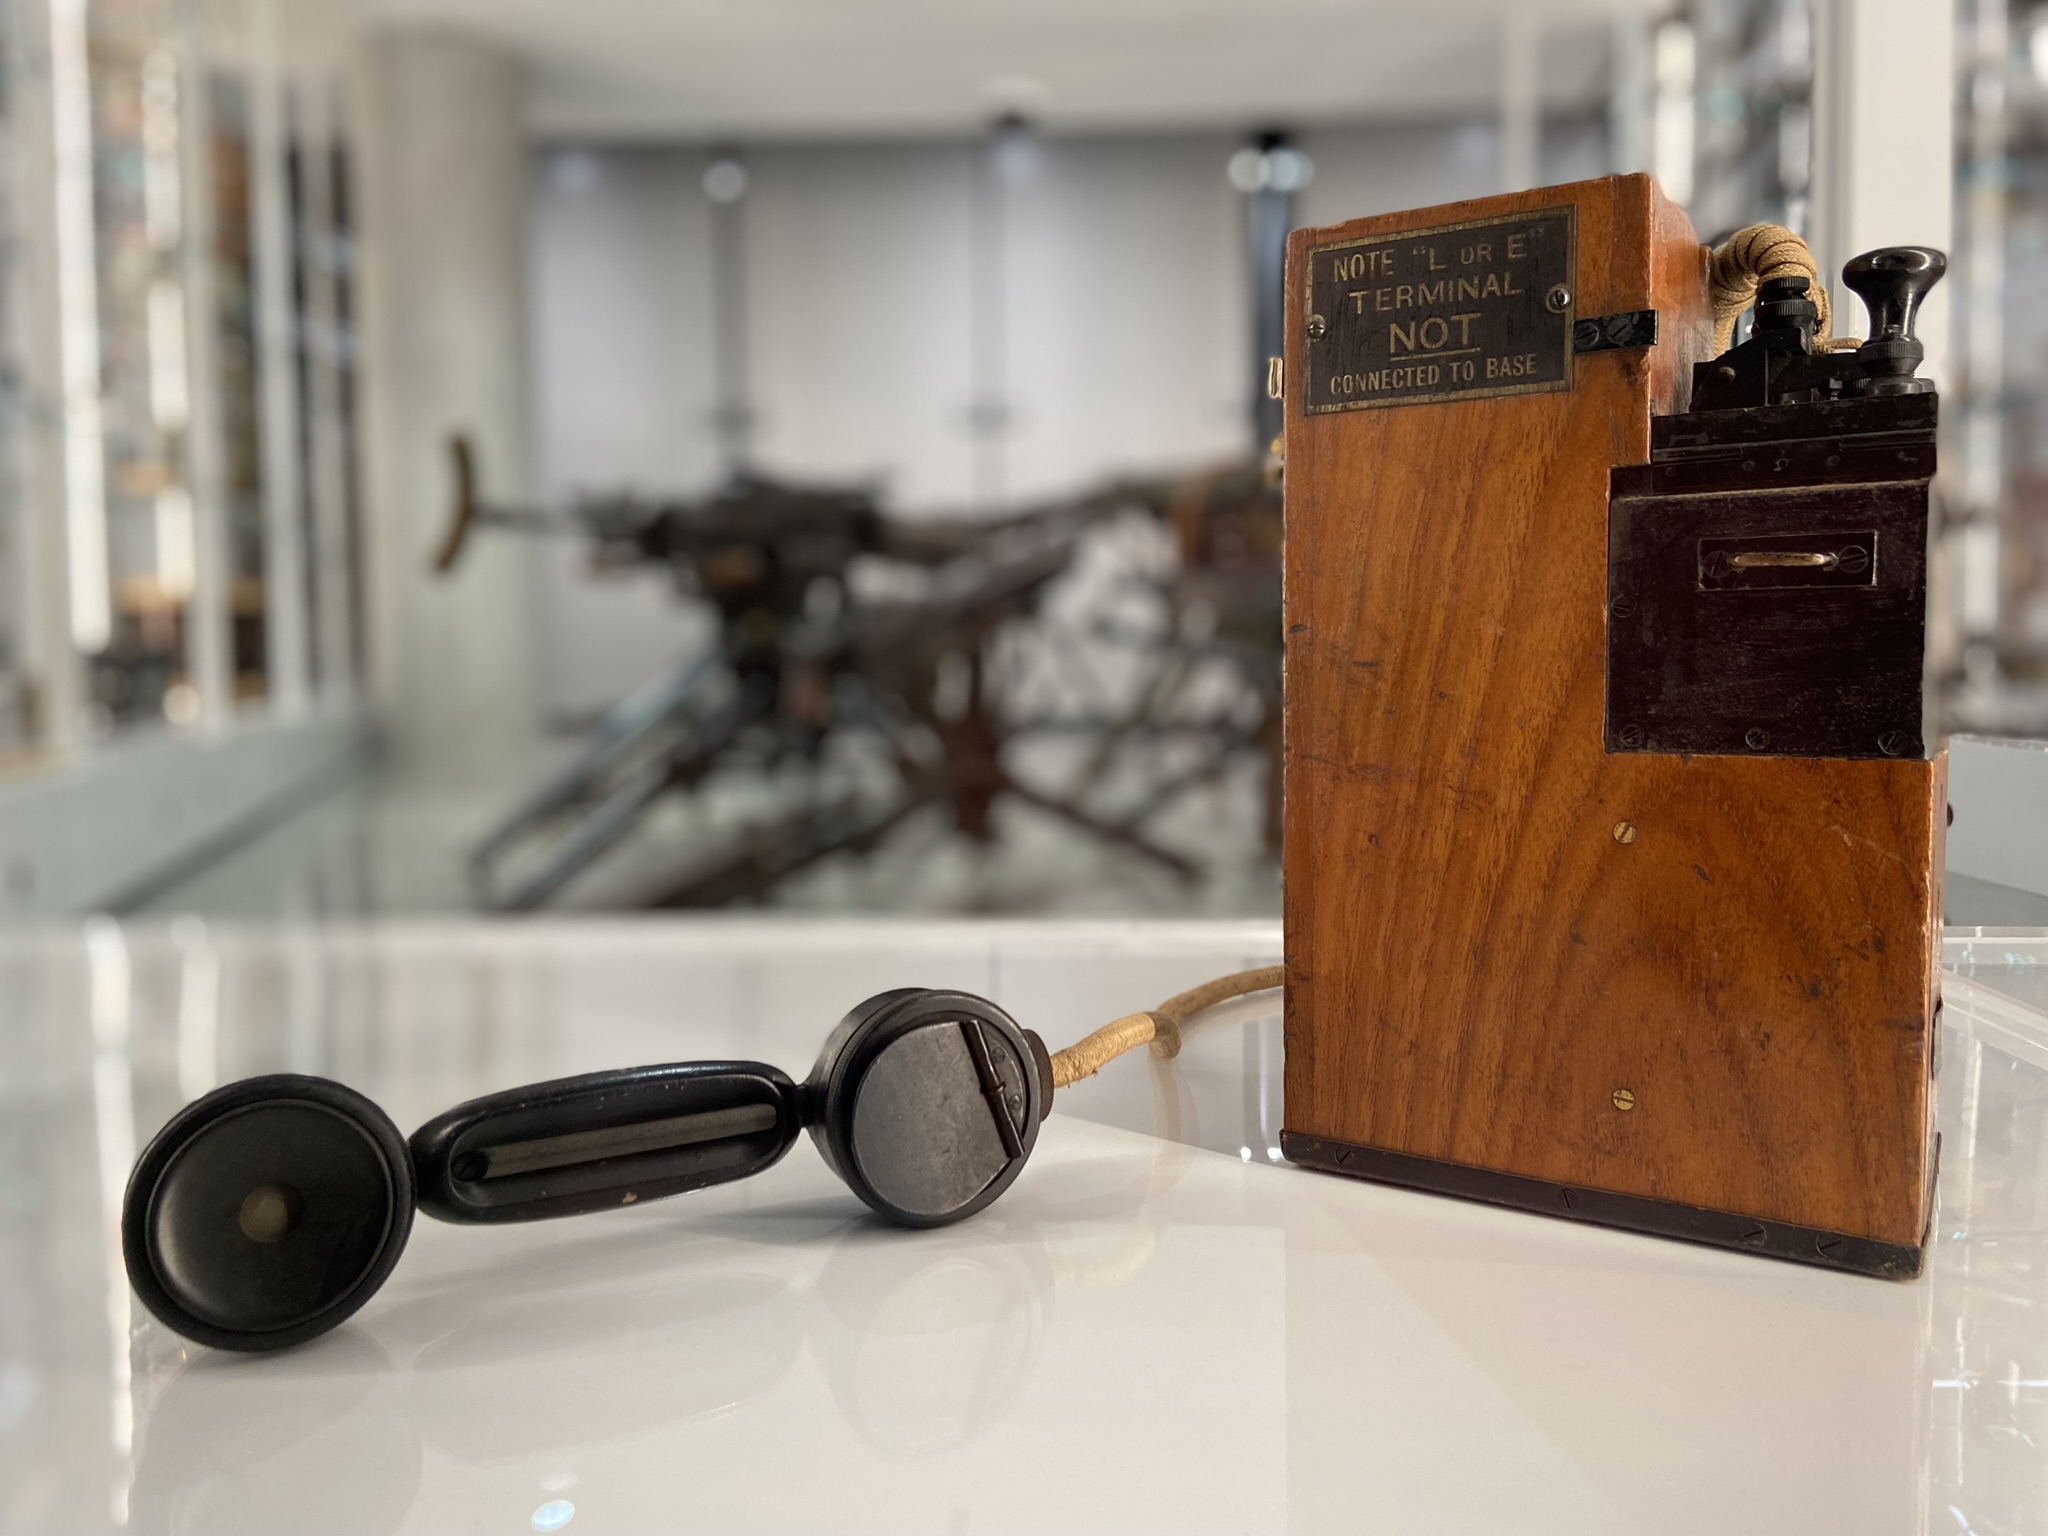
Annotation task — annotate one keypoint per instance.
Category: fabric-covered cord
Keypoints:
(1160, 1027)
(1752, 257)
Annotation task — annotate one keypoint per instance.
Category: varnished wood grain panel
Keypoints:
(1476, 963)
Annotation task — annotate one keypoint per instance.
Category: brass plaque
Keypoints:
(1452, 313)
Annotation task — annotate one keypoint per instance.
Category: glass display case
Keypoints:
(235, 371)
(142, 670)
(2000, 342)
(17, 693)
(179, 489)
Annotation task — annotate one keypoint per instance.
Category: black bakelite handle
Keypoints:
(607, 1139)
(1892, 282)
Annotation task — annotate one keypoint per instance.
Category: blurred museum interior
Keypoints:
(514, 455)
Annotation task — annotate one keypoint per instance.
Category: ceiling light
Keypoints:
(725, 180)
(1280, 169)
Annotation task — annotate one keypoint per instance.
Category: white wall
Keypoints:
(444, 326)
(1884, 146)
(1127, 341)
(622, 386)
(1129, 312)
(1383, 169)
(1999, 790)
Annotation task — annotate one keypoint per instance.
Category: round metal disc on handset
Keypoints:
(927, 1103)
(267, 1212)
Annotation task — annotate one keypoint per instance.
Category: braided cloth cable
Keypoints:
(1160, 1027)
(1752, 257)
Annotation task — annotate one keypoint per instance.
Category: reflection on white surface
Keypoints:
(231, 1445)
(198, 1008)
(1150, 1332)
(110, 986)
(553, 1515)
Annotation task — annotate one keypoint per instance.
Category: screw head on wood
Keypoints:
(1624, 831)
(1624, 1099)
(1756, 738)
(1558, 300)
(1317, 327)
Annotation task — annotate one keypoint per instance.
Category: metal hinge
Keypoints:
(1610, 333)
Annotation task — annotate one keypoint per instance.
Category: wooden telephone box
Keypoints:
(1613, 846)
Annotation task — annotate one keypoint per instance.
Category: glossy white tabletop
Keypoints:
(1155, 1330)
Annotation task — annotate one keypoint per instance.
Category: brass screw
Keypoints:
(1623, 1099)
(1624, 831)
(1317, 326)
(1558, 300)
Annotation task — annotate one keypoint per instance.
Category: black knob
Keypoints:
(1892, 282)
(1785, 316)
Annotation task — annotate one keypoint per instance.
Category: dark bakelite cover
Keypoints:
(606, 1139)
(266, 1212)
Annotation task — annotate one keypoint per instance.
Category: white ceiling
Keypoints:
(809, 68)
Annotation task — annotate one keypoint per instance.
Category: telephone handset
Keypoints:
(266, 1212)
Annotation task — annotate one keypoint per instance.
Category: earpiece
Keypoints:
(266, 1212)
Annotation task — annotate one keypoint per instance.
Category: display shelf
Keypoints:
(1156, 1329)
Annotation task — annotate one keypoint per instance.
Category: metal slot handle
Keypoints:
(578, 1147)
(1761, 560)
(1764, 562)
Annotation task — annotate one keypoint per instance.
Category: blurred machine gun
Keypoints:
(893, 689)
